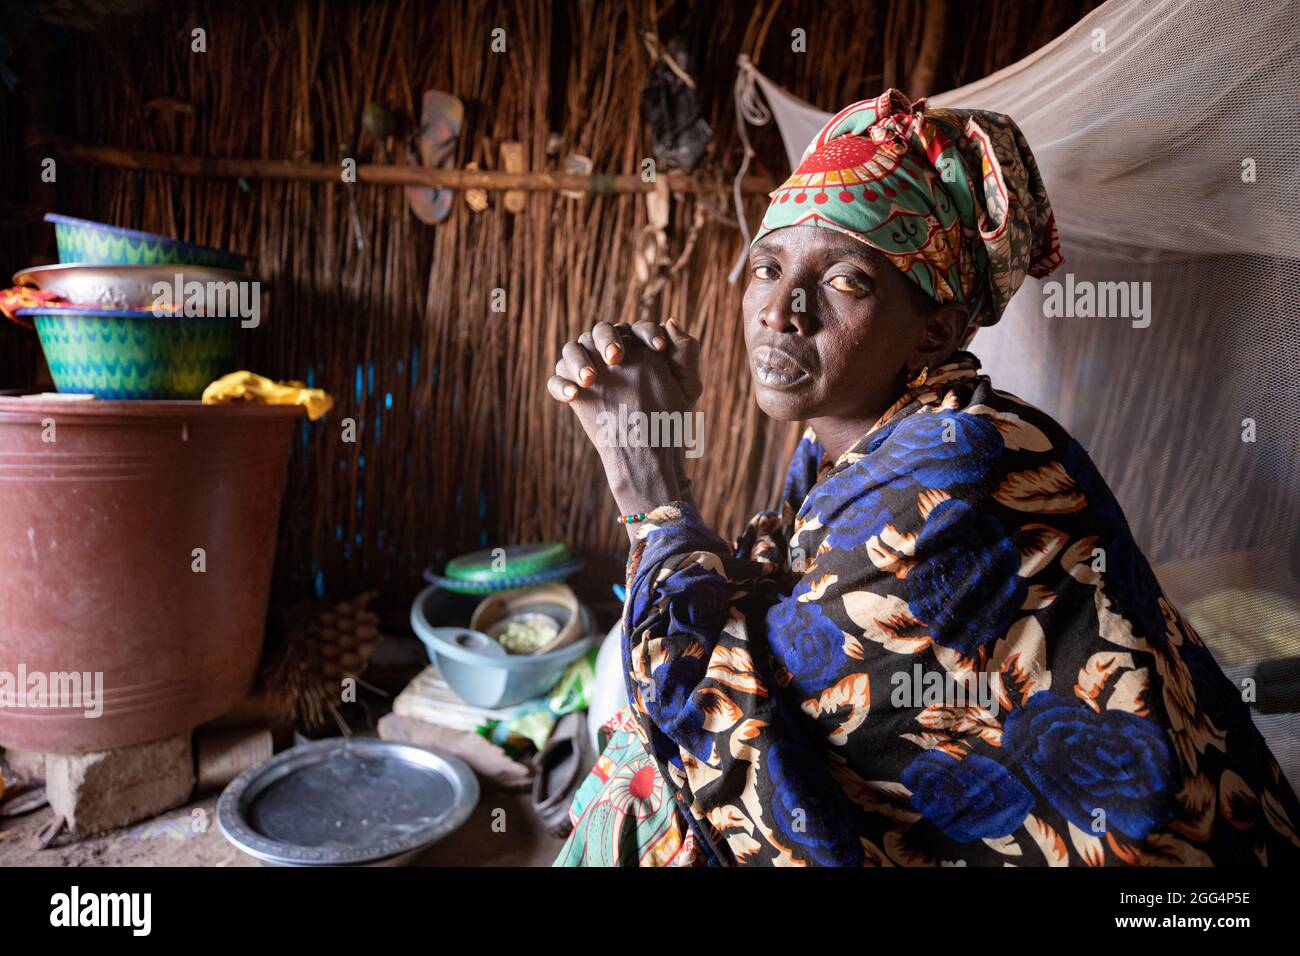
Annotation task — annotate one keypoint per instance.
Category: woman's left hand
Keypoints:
(611, 372)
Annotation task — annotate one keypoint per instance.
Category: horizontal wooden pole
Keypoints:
(382, 175)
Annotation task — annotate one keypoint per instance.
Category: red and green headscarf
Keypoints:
(952, 197)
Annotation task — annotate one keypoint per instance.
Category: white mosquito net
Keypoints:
(1168, 135)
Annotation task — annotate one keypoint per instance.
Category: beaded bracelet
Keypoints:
(631, 519)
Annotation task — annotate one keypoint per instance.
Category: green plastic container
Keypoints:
(134, 355)
(97, 243)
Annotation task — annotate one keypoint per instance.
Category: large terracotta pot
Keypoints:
(98, 564)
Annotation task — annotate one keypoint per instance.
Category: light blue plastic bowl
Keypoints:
(485, 680)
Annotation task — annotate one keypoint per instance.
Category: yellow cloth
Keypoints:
(248, 387)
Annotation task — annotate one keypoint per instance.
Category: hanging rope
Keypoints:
(750, 109)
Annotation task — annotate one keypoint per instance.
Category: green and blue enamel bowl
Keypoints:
(97, 243)
(133, 354)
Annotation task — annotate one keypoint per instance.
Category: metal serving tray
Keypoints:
(343, 802)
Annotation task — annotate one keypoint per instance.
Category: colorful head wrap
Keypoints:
(952, 197)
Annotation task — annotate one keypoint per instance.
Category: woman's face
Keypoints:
(831, 326)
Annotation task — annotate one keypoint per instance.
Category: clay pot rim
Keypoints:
(16, 408)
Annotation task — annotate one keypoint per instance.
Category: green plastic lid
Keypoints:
(498, 569)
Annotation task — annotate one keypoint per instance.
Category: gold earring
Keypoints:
(920, 378)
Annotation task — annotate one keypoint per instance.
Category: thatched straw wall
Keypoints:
(459, 447)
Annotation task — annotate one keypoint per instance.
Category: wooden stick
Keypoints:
(921, 82)
(382, 175)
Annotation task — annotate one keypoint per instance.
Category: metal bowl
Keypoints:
(122, 287)
(346, 802)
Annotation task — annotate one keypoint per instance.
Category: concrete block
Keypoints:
(113, 788)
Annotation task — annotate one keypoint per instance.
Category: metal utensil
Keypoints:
(127, 287)
(347, 802)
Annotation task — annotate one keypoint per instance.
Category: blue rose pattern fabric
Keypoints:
(968, 541)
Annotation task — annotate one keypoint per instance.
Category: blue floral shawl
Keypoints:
(947, 650)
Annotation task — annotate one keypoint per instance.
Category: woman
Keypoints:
(947, 648)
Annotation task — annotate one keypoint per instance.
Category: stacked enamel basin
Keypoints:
(141, 316)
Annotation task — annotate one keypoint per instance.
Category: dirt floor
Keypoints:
(189, 836)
